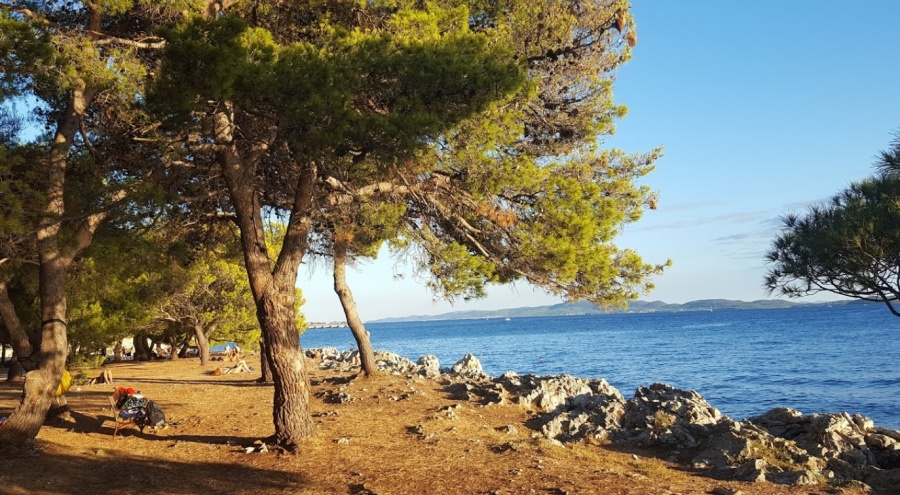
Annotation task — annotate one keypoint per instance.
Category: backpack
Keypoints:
(155, 415)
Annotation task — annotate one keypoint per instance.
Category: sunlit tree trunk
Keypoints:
(274, 289)
(201, 336)
(363, 343)
(20, 430)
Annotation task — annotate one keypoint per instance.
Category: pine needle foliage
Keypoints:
(849, 246)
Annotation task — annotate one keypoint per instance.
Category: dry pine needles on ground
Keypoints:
(380, 435)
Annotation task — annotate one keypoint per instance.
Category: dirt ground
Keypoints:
(396, 435)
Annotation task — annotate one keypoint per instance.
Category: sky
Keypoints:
(763, 108)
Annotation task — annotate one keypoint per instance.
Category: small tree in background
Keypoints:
(850, 246)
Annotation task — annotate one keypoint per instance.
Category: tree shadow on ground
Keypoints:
(105, 425)
(102, 472)
(249, 381)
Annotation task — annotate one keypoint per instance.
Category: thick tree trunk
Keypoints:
(363, 343)
(273, 287)
(290, 413)
(183, 346)
(23, 425)
(140, 348)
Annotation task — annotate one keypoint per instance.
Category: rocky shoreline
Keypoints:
(781, 446)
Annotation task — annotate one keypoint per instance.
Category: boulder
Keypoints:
(430, 365)
(882, 481)
(552, 392)
(396, 364)
(794, 478)
(850, 443)
(664, 415)
(753, 470)
(469, 367)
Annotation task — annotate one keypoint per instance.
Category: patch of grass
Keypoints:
(651, 468)
(776, 457)
(662, 421)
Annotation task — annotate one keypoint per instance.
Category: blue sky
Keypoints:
(762, 107)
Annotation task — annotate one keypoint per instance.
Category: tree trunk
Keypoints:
(290, 414)
(23, 425)
(140, 348)
(363, 343)
(15, 370)
(273, 287)
(173, 347)
(202, 339)
(20, 339)
(182, 352)
(264, 366)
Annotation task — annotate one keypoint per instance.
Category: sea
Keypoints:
(816, 359)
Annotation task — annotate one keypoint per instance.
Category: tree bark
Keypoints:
(363, 343)
(140, 348)
(202, 338)
(182, 352)
(273, 288)
(20, 340)
(173, 347)
(290, 413)
(23, 425)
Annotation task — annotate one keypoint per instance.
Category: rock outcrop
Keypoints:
(782, 446)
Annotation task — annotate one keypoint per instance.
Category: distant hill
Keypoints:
(586, 308)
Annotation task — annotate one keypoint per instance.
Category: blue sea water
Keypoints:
(744, 362)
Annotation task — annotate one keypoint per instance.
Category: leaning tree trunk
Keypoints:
(363, 343)
(20, 340)
(23, 343)
(23, 425)
(273, 287)
(201, 335)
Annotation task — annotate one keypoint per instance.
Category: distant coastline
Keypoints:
(586, 308)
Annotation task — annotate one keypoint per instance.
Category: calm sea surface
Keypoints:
(744, 362)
